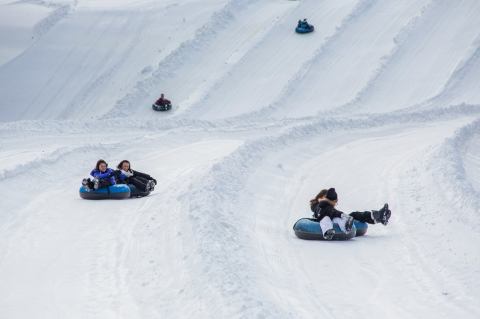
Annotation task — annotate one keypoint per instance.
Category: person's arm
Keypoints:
(331, 212)
(330, 202)
(100, 175)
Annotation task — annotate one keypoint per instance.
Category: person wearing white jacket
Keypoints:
(126, 175)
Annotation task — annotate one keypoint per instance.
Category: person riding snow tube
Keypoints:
(118, 191)
(141, 184)
(162, 104)
(103, 184)
(309, 228)
(304, 27)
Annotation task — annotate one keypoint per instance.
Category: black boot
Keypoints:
(329, 234)
(382, 215)
(150, 185)
(87, 183)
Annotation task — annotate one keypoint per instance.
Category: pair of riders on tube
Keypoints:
(103, 176)
(324, 211)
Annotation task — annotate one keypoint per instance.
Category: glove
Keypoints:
(154, 180)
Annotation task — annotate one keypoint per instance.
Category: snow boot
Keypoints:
(329, 234)
(96, 183)
(150, 185)
(87, 183)
(382, 215)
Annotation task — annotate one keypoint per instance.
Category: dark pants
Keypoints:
(101, 183)
(139, 182)
(365, 217)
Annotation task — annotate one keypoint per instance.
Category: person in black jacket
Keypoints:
(325, 212)
(126, 175)
(323, 208)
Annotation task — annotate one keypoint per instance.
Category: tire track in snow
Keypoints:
(276, 39)
(291, 85)
(221, 240)
(412, 31)
(168, 66)
(87, 92)
(465, 68)
(452, 172)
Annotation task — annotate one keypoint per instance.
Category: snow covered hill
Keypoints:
(381, 102)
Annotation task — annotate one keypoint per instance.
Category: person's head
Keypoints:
(124, 165)
(319, 197)
(332, 195)
(101, 165)
(161, 96)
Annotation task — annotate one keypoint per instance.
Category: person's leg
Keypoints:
(149, 182)
(341, 223)
(326, 224)
(141, 179)
(345, 222)
(104, 183)
(138, 182)
(364, 217)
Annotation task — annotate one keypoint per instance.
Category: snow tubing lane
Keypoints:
(119, 191)
(304, 30)
(135, 192)
(309, 228)
(161, 108)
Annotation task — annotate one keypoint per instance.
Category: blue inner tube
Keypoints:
(135, 192)
(305, 29)
(309, 228)
(161, 108)
(361, 227)
(119, 191)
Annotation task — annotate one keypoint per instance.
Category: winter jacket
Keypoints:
(162, 102)
(324, 208)
(107, 175)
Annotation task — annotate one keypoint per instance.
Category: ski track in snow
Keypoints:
(237, 161)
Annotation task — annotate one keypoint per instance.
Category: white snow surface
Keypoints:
(381, 102)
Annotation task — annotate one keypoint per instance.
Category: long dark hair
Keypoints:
(100, 161)
(322, 193)
(119, 166)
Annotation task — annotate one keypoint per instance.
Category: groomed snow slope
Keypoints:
(381, 102)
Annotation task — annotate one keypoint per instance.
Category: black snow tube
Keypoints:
(162, 108)
(119, 191)
(135, 192)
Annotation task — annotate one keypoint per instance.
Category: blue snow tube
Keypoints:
(304, 28)
(135, 192)
(361, 227)
(119, 191)
(309, 228)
